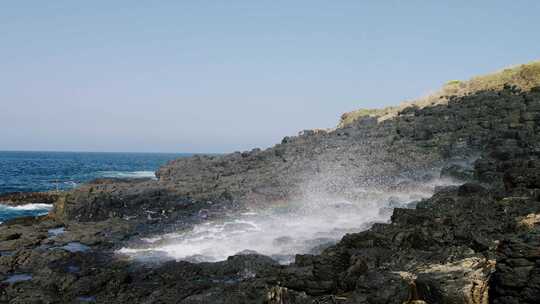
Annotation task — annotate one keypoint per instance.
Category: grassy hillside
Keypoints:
(525, 76)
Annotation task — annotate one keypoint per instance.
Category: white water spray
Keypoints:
(281, 231)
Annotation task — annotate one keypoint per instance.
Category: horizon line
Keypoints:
(119, 152)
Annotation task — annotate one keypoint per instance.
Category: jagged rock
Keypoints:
(277, 295)
(376, 149)
(517, 275)
(458, 172)
(464, 281)
(471, 188)
(440, 252)
(381, 287)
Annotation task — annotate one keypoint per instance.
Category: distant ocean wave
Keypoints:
(9, 212)
(128, 174)
(27, 207)
(70, 184)
(50, 171)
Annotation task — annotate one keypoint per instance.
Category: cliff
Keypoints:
(413, 139)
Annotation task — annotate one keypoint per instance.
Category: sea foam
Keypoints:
(128, 174)
(27, 207)
(8, 212)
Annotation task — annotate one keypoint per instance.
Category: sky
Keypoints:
(223, 76)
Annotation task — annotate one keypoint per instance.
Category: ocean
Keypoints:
(43, 171)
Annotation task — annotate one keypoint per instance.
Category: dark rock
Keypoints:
(517, 275)
(22, 198)
(453, 248)
(471, 189)
(457, 172)
(381, 287)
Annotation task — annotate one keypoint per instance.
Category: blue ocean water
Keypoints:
(43, 171)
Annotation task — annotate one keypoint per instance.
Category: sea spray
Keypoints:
(281, 230)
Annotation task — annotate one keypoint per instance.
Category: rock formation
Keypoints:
(473, 243)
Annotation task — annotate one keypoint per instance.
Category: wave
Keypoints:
(9, 212)
(71, 184)
(128, 174)
(27, 207)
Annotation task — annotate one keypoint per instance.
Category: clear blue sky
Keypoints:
(218, 76)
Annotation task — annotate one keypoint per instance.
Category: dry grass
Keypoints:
(525, 76)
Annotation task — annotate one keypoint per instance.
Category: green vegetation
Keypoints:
(350, 117)
(525, 77)
(453, 82)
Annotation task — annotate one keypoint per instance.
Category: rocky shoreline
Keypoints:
(21, 198)
(477, 242)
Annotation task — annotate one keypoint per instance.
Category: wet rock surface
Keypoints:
(477, 242)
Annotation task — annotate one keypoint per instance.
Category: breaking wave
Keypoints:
(28, 207)
(128, 174)
(9, 212)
